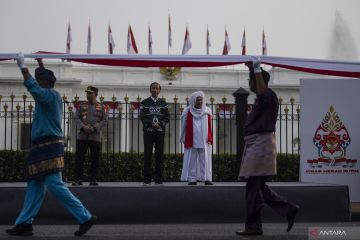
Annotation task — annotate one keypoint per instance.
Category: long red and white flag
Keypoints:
(264, 45)
(150, 41)
(169, 34)
(131, 43)
(68, 39)
(317, 66)
(227, 45)
(208, 42)
(111, 42)
(88, 48)
(187, 42)
(243, 44)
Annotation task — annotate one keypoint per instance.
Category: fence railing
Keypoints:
(123, 132)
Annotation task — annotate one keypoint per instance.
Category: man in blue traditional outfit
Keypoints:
(46, 159)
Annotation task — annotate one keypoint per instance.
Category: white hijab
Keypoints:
(197, 112)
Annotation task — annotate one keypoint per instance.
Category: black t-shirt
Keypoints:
(154, 112)
(263, 116)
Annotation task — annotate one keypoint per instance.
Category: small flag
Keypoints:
(111, 42)
(243, 44)
(68, 40)
(150, 41)
(264, 45)
(169, 34)
(88, 49)
(131, 44)
(208, 43)
(187, 42)
(227, 46)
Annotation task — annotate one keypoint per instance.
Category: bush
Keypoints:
(128, 167)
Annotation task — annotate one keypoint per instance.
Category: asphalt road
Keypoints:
(174, 231)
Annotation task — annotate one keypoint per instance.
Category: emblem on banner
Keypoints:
(170, 73)
(331, 139)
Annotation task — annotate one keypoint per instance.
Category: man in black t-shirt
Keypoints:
(259, 158)
(154, 115)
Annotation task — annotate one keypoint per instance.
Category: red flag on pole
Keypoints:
(88, 48)
(68, 39)
(111, 42)
(264, 45)
(227, 46)
(131, 44)
(243, 44)
(187, 42)
(150, 41)
(208, 43)
(169, 35)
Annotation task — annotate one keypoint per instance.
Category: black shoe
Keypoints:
(77, 183)
(23, 229)
(290, 216)
(158, 183)
(85, 227)
(192, 183)
(208, 183)
(249, 233)
(93, 183)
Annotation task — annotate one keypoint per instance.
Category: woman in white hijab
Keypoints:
(197, 138)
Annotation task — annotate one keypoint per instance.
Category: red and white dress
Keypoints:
(197, 138)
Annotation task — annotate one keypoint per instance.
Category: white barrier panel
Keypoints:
(330, 132)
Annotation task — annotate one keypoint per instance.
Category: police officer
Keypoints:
(154, 115)
(90, 119)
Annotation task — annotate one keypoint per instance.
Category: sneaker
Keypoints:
(290, 217)
(209, 183)
(192, 183)
(23, 229)
(255, 232)
(85, 227)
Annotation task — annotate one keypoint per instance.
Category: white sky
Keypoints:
(294, 28)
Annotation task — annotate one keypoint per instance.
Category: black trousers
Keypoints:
(81, 148)
(257, 194)
(152, 140)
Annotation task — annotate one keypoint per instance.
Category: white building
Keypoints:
(121, 82)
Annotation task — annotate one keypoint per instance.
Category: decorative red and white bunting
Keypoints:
(317, 66)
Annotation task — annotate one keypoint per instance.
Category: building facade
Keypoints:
(121, 89)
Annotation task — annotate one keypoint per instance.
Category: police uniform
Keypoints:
(93, 115)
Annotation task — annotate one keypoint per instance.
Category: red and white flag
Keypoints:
(227, 46)
(111, 42)
(88, 48)
(131, 44)
(208, 43)
(226, 111)
(243, 44)
(187, 42)
(169, 35)
(68, 39)
(150, 41)
(264, 45)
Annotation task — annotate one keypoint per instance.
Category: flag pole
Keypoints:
(169, 33)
